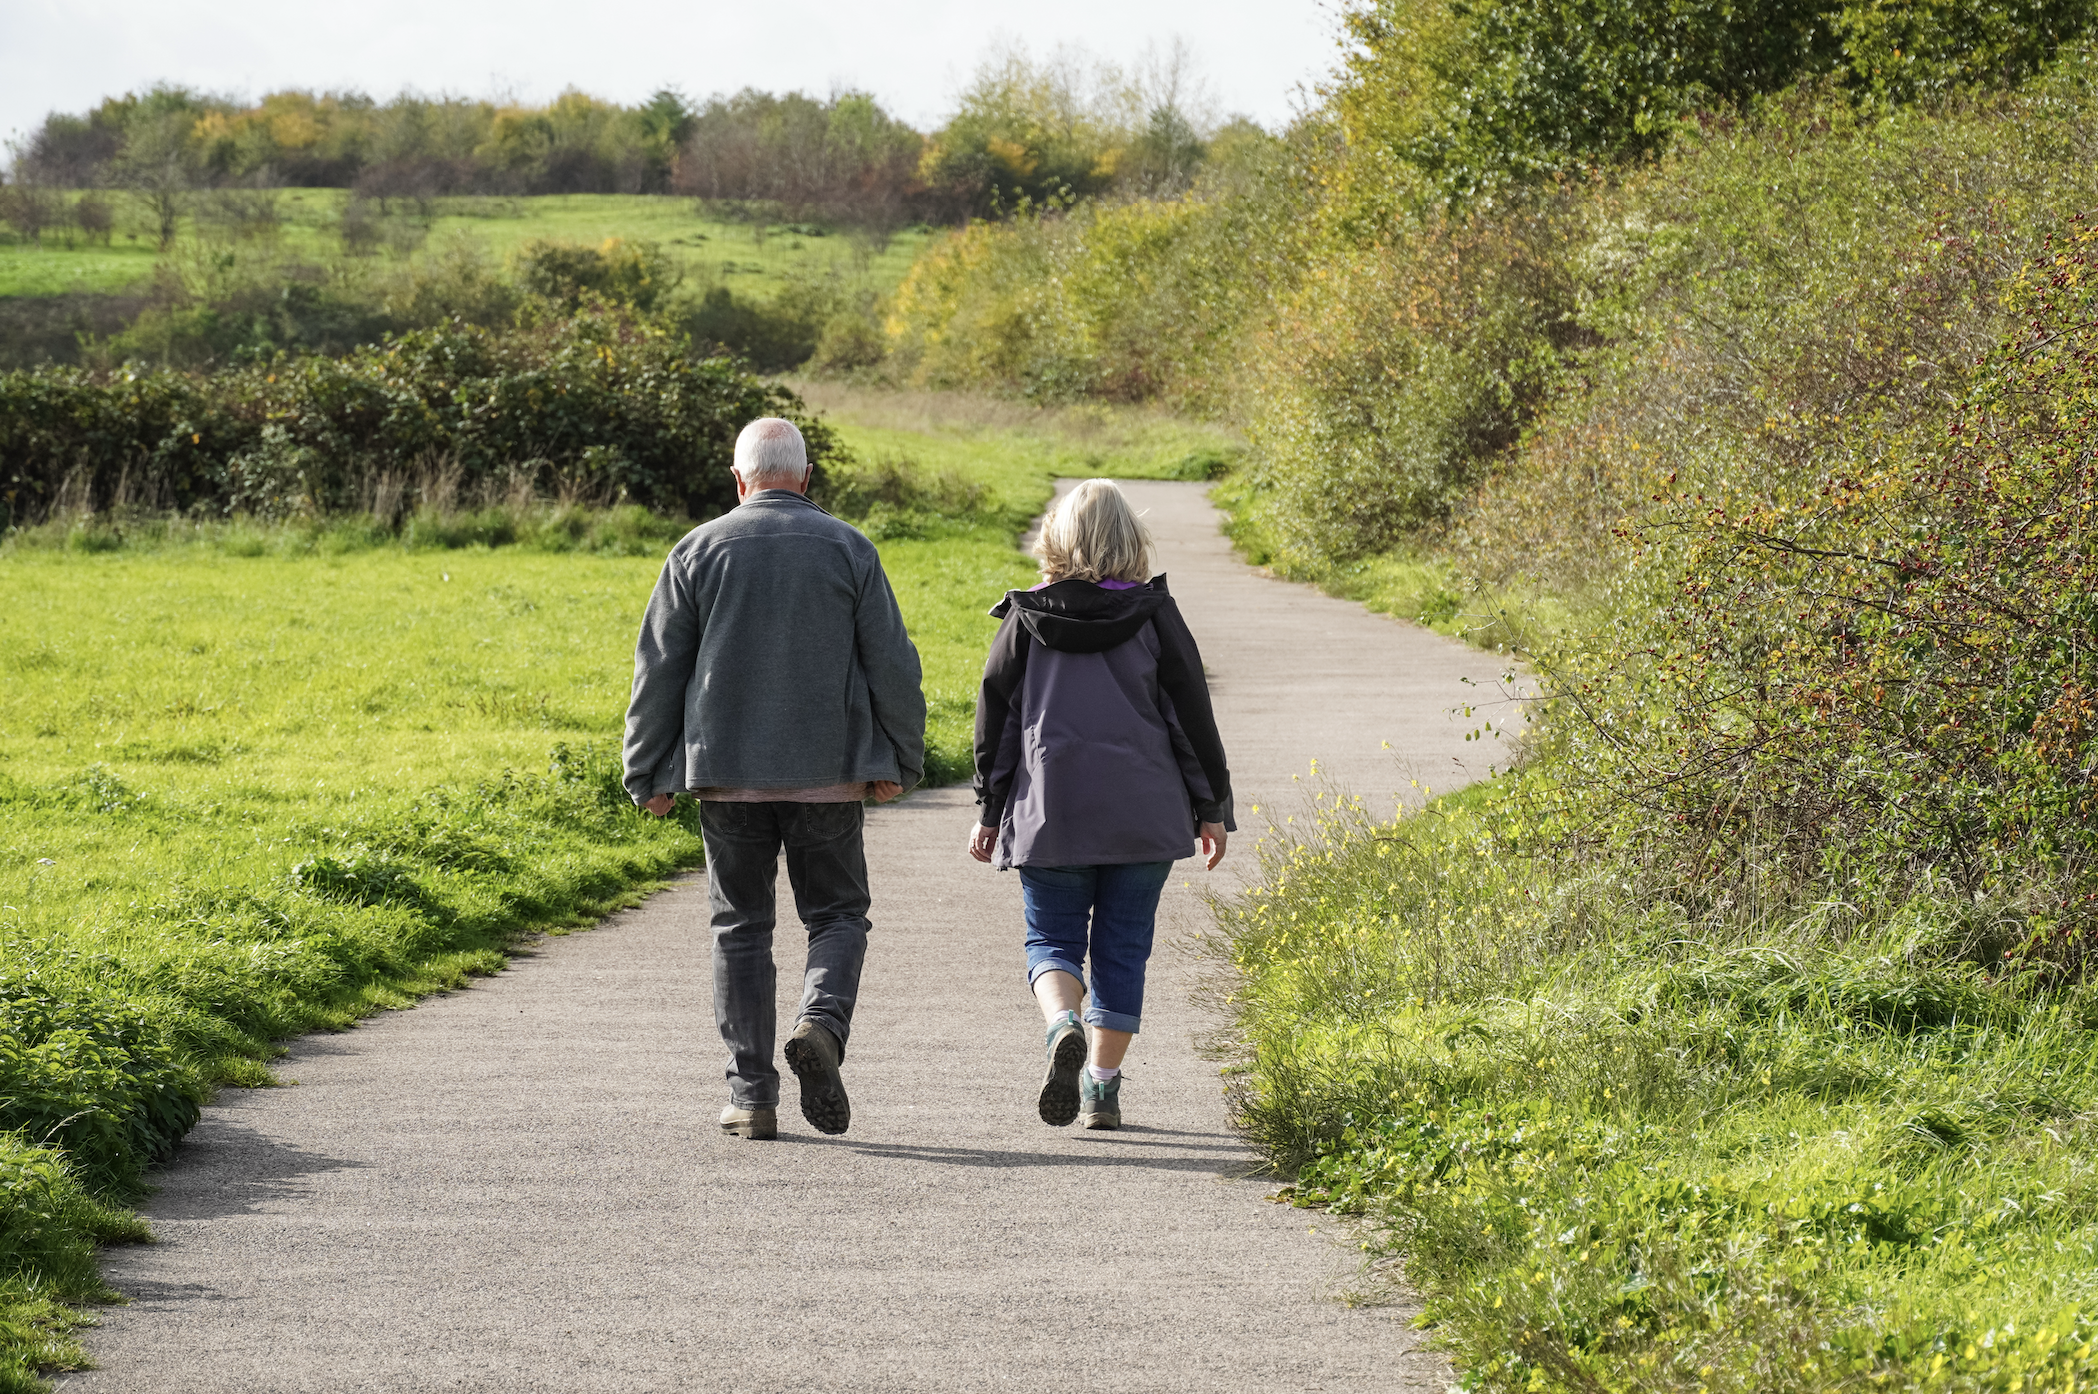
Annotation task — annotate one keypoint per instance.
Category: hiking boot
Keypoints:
(814, 1054)
(1102, 1107)
(757, 1122)
(1066, 1050)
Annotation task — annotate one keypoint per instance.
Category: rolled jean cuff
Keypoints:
(1113, 1021)
(1035, 970)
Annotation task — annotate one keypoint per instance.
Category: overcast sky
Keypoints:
(912, 54)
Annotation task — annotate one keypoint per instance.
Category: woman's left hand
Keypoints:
(981, 841)
(1213, 844)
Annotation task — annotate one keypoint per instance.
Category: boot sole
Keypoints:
(1058, 1104)
(1103, 1122)
(823, 1100)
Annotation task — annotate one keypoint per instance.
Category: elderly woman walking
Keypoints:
(1098, 765)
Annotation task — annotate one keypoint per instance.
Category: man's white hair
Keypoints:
(771, 452)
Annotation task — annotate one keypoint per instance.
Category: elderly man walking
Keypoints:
(774, 681)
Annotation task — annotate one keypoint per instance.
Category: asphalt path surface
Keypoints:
(521, 1186)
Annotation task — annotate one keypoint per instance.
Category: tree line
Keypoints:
(1025, 132)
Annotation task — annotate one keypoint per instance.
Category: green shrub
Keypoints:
(1398, 374)
(602, 405)
(850, 342)
(1885, 675)
(1461, 101)
(636, 274)
(772, 336)
(1745, 1041)
(1136, 301)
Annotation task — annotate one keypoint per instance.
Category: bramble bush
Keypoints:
(1744, 1041)
(1890, 676)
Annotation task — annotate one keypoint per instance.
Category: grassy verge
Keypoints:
(1413, 581)
(1625, 1140)
(1018, 448)
(243, 797)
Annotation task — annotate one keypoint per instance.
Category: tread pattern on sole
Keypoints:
(823, 1100)
(1058, 1104)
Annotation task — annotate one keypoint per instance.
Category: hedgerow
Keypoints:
(603, 405)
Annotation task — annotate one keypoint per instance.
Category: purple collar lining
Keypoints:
(1103, 585)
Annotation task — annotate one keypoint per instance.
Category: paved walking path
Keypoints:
(520, 1186)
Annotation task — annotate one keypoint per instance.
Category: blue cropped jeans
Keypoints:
(1101, 917)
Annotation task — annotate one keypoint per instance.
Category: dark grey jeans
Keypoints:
(827, 867)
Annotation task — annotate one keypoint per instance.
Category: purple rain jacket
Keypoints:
(1095, 742)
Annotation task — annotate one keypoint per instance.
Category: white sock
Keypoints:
(1102, 1073)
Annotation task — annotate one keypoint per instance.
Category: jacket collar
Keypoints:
(1080, 617)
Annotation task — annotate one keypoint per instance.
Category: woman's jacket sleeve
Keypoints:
(1003, 671)
(1180, 678)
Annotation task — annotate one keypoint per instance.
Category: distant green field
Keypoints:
(753, 261)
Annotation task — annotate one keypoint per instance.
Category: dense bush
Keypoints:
(1126, 301)
(1399, 372)
(1473, 98)
(602, 405)
(1884, 673)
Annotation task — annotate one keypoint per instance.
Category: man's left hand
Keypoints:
(884, 789)
(661, 805)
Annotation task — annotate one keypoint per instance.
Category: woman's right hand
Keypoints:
(981, 841)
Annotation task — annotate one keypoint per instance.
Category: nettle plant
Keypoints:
(1892, 679)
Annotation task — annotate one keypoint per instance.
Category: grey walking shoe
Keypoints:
(814, 1055)
(756, 1122)
(1066, 1050)
(1102, 1107)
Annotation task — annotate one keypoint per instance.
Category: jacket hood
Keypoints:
(1080, 617)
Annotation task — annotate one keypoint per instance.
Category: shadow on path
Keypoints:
(231, 1168)
(1218, 1157)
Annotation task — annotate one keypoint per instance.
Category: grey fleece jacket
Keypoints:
(773, 656)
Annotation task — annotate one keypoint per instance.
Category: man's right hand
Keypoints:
(661, 805)
(981, 841)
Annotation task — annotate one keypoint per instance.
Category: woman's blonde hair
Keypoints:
(1092, 534)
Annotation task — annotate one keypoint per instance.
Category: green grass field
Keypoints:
(753, 261)
(262, 780)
